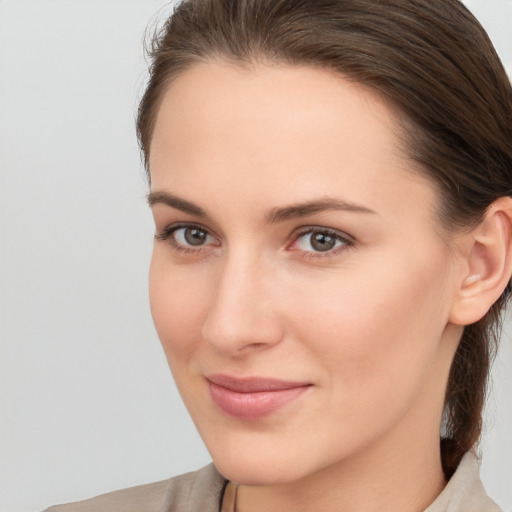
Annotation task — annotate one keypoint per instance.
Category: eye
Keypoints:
(187, 237)
(321, 240)
(192, 235)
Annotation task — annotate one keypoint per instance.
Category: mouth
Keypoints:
(254, 397)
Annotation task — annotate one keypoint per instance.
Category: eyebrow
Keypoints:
(311, 207)
(175, 202)
(275, 215)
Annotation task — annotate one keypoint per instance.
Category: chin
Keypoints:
(259, 463)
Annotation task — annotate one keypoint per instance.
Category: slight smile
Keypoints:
(253, 397)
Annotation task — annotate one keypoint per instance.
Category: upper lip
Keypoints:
(253, 384)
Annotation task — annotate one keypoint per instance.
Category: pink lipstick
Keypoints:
(254, 397)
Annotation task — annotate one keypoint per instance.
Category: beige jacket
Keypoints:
(202, 491)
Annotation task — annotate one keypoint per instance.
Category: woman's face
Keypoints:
(299, 284)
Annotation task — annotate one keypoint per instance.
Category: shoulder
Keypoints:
(142, 497)
(183, 493)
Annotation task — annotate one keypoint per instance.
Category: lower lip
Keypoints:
(254, 405)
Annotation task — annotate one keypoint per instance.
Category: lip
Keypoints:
(251, 398)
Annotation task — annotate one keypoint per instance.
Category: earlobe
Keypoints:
(488, 264)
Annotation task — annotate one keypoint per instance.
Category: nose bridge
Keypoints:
(241, 313)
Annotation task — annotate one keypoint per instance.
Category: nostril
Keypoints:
(253, 347)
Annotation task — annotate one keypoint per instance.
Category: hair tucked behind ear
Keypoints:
(433, 62)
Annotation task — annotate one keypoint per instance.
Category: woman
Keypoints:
(331, 185)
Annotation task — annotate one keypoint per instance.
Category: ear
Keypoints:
(487, 264)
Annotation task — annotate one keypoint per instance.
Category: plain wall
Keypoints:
(87, 402)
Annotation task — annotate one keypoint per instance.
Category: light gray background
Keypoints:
(87, 402)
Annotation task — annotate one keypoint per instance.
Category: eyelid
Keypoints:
(167, 235)
(347, 241)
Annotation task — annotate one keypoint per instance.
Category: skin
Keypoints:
(367, 324)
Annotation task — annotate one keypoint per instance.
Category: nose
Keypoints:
(244, 312)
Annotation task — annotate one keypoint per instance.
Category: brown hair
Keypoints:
(434, 63)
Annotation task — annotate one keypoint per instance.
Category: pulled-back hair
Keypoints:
(435, 66)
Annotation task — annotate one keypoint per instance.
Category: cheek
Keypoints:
(375, 331)
(177, 302)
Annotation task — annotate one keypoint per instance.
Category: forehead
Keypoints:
(225, 103)
(285, 132)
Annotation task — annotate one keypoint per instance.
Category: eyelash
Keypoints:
(346, 241)
(168, 234)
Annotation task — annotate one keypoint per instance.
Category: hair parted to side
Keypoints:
(436, 67)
